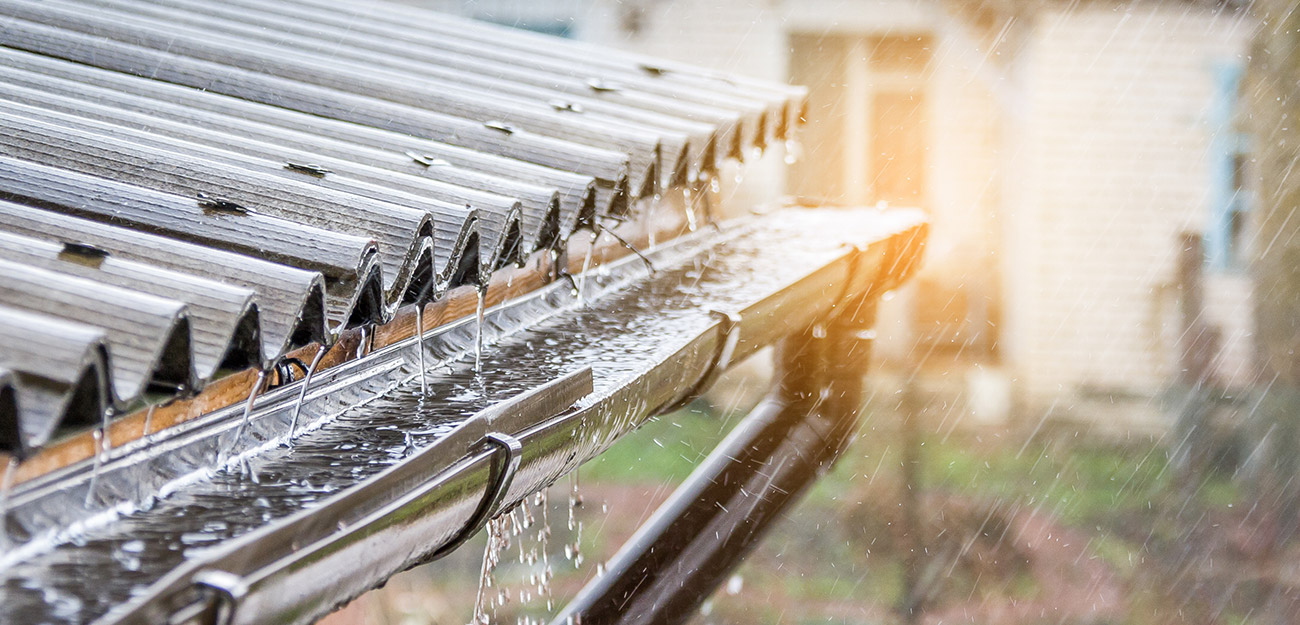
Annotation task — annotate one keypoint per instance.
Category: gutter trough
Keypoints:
(380, 477)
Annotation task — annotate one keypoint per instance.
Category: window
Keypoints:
(1230, 194)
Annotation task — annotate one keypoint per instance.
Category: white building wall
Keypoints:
(1063, 166)
(1116, 139)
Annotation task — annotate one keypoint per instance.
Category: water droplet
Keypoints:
(735, 584)
(793, 151)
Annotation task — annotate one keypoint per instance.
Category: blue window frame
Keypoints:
(1230, 197)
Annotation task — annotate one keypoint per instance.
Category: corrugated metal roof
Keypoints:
(533, 185)
(188, 188)
(291, 301)
(60, 375)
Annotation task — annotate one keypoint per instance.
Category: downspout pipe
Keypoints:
(715, 518)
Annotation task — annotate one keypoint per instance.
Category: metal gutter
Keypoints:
(693, 541)
(267, 576)
(59, 498)
(251, 580)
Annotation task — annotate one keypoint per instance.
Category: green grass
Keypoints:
(1120, 494)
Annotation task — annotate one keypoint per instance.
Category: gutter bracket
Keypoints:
(729, 324)
(228, 590)
(508, 451)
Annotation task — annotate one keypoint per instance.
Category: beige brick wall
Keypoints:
(1114, 167)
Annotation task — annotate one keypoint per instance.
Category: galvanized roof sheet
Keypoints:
(148, 336)
(59, 375)
(535, 186)
(188, 187)
(223, 317)
(291, 301)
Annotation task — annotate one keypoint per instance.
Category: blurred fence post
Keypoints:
(1197, 345)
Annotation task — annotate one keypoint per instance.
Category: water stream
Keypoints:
(248, 411)
(478, 333)
(419, 332)
(586, 266)
(97, 437)
(306, 384)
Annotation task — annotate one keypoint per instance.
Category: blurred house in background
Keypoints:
(1063, 149)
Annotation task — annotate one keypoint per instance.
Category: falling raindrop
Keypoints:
(793, 151)
(735, 584)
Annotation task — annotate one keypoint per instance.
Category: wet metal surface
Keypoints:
(646, 343)
(391, 153)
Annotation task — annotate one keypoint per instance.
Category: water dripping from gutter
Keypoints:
(543, 545)
(497, 541)
(363, 341)
(573, 550)
(148, 420)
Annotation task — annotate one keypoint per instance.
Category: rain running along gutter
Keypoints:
(88, 493)
(258, 578)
